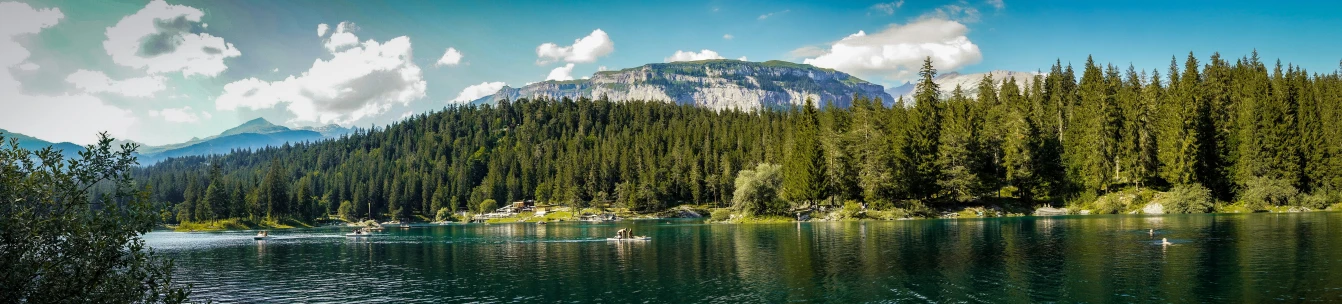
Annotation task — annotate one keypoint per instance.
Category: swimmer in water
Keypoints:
(1153, 232)
(1165, 241)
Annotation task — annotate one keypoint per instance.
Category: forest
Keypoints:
(1228, 132)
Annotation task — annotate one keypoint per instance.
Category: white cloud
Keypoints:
(29, 66)
(601, 68)
(450, 57)
(898, 51)
(561, 73)
(343, 37)
(471, 93)
(692, 56)
(743, 58)
(64, 118)
(182, 115)
(960, 12)
(98, 82)
(728, 36)
(888, 8)
(584, 50)
(321, 29)
(163, 38)
(275, 70)
(766, 16)
(358, 82)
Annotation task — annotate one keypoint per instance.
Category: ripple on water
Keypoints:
(1251, 258)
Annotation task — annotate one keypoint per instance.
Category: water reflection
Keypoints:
(1214, 258)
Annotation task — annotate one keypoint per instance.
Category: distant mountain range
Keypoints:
(967, 82)
(254, 134)
(717, 84)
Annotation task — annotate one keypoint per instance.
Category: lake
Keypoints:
(1214, 258)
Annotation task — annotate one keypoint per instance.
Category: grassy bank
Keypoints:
(237, 224)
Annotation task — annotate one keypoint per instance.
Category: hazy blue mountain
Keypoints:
(69, 150)
(717, 84)
(254, 134)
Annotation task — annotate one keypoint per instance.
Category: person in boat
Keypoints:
(622, 233)
(263, 234)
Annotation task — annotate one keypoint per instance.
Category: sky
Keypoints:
(161, 72)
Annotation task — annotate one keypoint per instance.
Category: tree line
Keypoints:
(1240, 131)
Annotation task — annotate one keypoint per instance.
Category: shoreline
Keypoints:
(963, 214)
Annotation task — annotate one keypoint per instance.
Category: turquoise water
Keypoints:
(1214, 258)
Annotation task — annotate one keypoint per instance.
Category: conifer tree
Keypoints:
(923, 135)
(804, 170)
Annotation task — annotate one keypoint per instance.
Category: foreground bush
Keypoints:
(1191, 198)
(1260, 193)
(59, 243)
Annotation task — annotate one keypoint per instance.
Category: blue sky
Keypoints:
(72, 68)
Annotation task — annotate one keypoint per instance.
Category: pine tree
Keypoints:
(962, 157)
(1020, 143)
(804, 170)
(923, 135)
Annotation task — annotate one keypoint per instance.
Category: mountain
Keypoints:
(69, 150)
(254, 134)
(716, 84)
(258, 126)
(329, 131)
(968, 82)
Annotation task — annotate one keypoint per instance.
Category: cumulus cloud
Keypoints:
(692, 56)
(743, 58)
(728, 36)
(450, 57)
(887, 8)
(32, 114)
(359, 81)
(343, 37)
(180, 115)
(98, 82)
(321, 29)
(164, 38)
(471, 93)
(898, 51)
(561, 73)
(583, 50)
(29, 66)
(766, 16)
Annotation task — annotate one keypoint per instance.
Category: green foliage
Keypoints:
(757, 191)
(347, 212)
(1222, 124)
(443, 215)
(487, 206)
(1260, 193)
(720, 215)
(1191, 198)
(850, 210)
(60, 243)
(1318, 200)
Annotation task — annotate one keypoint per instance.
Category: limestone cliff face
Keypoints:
(717, 84)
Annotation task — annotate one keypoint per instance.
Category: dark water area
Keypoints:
(1104, 259)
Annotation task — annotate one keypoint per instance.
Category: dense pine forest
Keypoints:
(1238, 132)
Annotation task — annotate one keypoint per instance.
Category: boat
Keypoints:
(540, 223)
(632, 238)
(359, 233)
(263, 235)
(626, 235)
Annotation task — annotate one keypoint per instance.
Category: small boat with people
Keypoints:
(263, 235)
(362, 232)
(627, 235)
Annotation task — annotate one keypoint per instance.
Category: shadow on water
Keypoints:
(1214, 258)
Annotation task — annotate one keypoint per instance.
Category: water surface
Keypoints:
(1214, 258)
